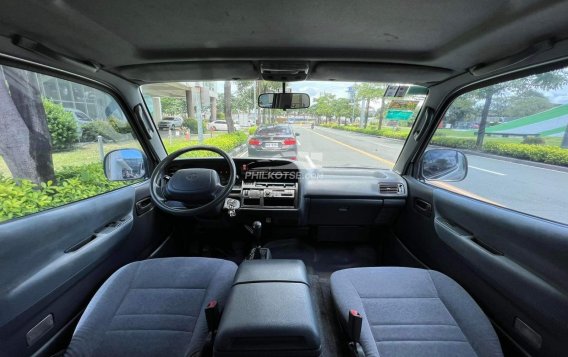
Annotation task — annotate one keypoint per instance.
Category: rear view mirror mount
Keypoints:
(284, 101)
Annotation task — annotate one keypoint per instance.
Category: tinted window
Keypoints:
(49, 158)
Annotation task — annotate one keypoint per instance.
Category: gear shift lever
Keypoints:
(258, 252)
(257, 232)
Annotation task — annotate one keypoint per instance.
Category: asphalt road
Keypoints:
(530, 189)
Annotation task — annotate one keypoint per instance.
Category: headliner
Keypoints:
(405, 41)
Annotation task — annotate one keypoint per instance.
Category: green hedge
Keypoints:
(401, 133)
(73, 184)
(537, 153)
(226, 142)
(62, 125)
(546, 154)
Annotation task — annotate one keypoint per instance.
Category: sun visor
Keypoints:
(190, 71)
(378, 72)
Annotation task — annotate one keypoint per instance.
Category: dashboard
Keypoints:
(283, 191)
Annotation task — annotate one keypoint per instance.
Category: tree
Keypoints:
(325, 106)
(543, 81)
(369, 92)
(227, 96)
(462, 110)
(174, 106)
(342, 109)
(25, 142)
(244, 100)
(528, 104)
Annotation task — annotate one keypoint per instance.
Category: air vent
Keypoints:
(391, 188)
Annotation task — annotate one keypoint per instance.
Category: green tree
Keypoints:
(543, 81)
(527, 104)
(462, 110)
(174, 106)
(324, 106)
(342, 109)
(369, 92)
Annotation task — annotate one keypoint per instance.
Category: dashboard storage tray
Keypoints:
(269, 312)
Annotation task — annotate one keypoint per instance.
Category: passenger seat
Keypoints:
(412, 312)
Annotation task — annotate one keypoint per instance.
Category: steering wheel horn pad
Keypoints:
(192, 185)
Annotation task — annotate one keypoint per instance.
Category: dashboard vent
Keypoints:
(391, 188)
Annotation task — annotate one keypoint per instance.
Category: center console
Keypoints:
(269, 312)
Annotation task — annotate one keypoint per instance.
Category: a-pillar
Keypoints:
(189, 100)
(213, 102)
(157, 114)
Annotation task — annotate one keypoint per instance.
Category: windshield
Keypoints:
(348, 124)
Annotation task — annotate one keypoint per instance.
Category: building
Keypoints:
(201, 98)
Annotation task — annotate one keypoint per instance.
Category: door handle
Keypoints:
(143, 206)
(423, 207)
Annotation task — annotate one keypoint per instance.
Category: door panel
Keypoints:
(53, 261)
(513, 264)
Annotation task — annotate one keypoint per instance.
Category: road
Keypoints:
(534, 190)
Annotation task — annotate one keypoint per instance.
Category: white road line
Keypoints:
(310, 162)
(242, 154)
(516, 163)
(485, 170)
(298, 142)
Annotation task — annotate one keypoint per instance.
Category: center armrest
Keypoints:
(272, 270)
(269, 312)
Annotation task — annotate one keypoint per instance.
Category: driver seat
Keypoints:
(153, 308)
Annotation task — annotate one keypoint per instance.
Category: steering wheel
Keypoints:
(200, 189)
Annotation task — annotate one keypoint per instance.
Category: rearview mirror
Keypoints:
(125, 165)
(444, 165)
(284, 101)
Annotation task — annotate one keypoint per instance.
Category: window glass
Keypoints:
(52, 144)
(515, 137)
(348, 124)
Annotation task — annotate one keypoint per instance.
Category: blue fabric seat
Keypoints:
(413, 312)
(153, 308)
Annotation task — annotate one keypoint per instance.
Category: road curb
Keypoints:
(238, 150)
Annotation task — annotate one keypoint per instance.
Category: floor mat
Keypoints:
(325, 257)
(332, 342)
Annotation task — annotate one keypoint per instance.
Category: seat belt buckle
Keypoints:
(354, 325)
(212, 315)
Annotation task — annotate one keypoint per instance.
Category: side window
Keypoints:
(53, 136)
(515, 137)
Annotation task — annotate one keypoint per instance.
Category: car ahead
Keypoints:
(170, 123)
(221, 125)
(274, 140)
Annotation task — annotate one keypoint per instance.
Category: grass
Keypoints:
(86, 153)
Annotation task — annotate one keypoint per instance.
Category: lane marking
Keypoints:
(298, 142)
(516, 163)
(243, 154)
(485, 170)
(435, 183)
(310, 162)
(378, 158)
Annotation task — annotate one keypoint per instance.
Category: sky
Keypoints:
(339, 89)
